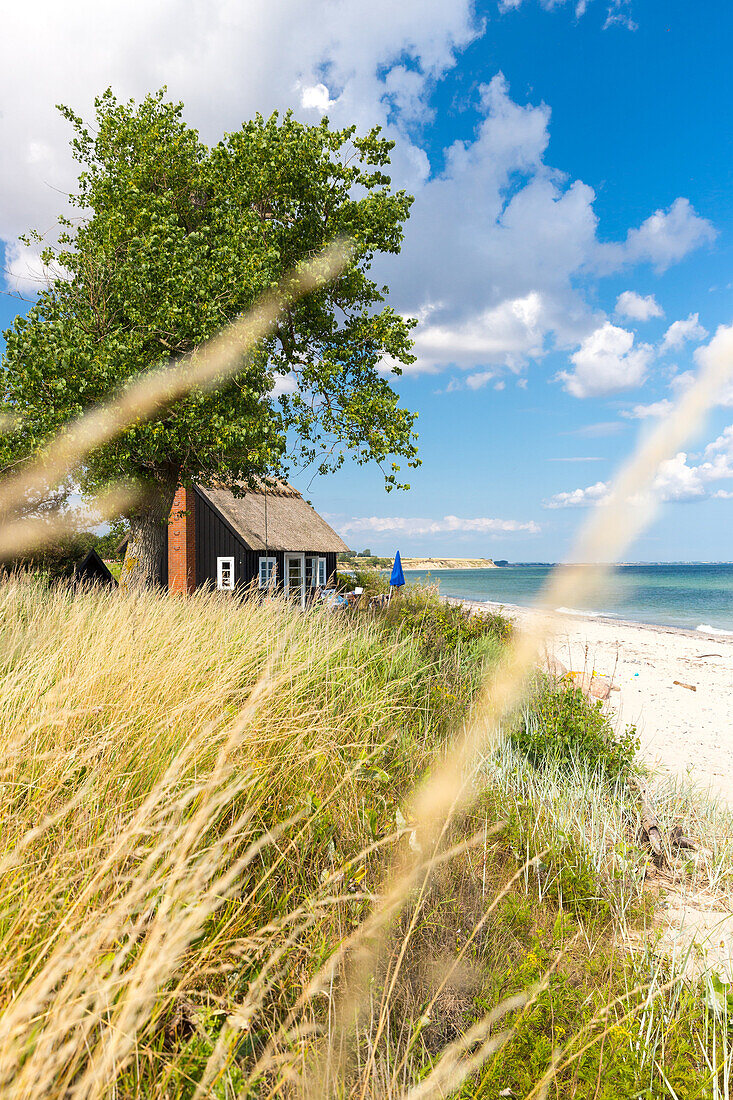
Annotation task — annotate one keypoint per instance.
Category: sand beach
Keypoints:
(683, 732)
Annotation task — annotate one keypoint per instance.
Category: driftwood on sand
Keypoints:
(652, 831)
(649, 822)
(680, 683)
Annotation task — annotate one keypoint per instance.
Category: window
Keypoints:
(295, 577)
(267, 572)
(225, 574)
(315, 572)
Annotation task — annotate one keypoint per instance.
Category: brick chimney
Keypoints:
(181, 543)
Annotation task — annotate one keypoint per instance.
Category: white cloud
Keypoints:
(503, 278)
(283, 384)
(405, 525)
(597, 431)
(606, 362)
(25, 274)
(480, 379)
(638, 308)
(721, 344)
(663, 239)
(224, 59)
(506, 334)
(724, 443)
(579, 498)
(644, 412)
(618, 12)
(678, 479)
(681, 331)
(316, 97)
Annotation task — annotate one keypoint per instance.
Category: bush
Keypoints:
(561, 724)
(441, 627)
(373, 581)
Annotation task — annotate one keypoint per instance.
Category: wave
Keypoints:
(586, 614)
(705, 629)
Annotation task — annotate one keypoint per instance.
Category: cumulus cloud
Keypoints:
(316, 97)
(644, 412)
(407, 525)
(606, 362)
(503, 279)
(25, 274)
(679, 332)
(523, 222)
(506, 334)
(579, 498)
(662, 239)
(480, 379)
(678, 478)
(224, 60)
(637, 308)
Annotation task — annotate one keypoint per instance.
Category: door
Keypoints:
(295, 577)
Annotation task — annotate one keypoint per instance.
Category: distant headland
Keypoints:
(449, 563)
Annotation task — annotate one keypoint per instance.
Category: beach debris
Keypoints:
(649, 823)
(699, 656)
(593, 685)
(690, 687)
(678, 839)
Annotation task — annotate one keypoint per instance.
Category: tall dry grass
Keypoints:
(149, 757)
(202, 802)
(188, 787)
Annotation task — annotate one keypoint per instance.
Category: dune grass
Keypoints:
(201, 801)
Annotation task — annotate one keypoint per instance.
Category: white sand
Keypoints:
(682, 732)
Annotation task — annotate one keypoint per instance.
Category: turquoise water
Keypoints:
(690, 596)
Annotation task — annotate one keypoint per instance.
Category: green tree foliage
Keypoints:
(174, 240)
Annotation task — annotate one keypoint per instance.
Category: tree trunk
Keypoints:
(147, 545)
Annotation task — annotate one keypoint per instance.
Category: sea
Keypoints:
(690, 595)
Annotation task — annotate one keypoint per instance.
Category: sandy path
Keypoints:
(682, 732)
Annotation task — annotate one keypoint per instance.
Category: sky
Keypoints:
(569, 250)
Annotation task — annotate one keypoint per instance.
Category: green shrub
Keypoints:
(441, 627)
(561, 724)
(373, 581)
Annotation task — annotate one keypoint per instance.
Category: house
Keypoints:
(92, 570)
(268, 537)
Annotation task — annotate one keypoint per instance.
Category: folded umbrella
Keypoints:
(398, 577)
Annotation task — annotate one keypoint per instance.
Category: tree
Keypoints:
(175, 240)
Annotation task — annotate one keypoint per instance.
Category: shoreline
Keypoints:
(512, 610)
(674, 684)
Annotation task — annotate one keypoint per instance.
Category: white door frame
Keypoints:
(301, 558)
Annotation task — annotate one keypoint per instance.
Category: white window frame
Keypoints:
(221, 565)
(269, 580)
(320, 574)
(286, 576)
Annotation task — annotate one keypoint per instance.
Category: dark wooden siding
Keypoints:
(215, 538)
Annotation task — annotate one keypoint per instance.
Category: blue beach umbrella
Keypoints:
(398, 577)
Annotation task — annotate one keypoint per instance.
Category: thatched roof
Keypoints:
(291, 523)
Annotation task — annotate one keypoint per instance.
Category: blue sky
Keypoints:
(568, 254)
